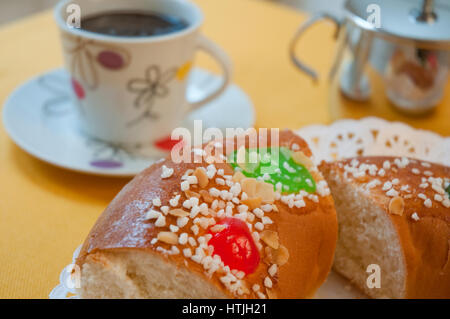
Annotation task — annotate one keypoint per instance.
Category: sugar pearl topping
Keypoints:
(166, 172)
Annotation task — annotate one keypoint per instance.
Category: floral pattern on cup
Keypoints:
(88, 55)
(104, 155)
(152, 86)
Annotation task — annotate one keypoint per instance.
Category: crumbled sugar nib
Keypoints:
(322, 188)
(373, 183)
(152, 214)
(273, 270)
(184, 186)
(174, 201)
(160, 221)
(392, 193)
(156, 202)
(387, 186)
(415, 216)
(166, 172)
(268, 282)
(186, 220)
(192, 180)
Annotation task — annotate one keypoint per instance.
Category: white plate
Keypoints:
(41, 119)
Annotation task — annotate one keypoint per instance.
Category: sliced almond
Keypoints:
(218, 228)
(244, 288)
(249, 186)
(190, 194)
(238, 176)
(278, 256)
(271, 293)
(168, 237)
(178, 212)
(300, 158)
(269, 255)
(265, 191)
(206, 196)
(202, 178)
(396, 206)
(270, 237)
(252, 203)
(282, 255)
(363, 179)
(275, 208)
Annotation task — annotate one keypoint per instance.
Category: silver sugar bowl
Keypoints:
(406, 43)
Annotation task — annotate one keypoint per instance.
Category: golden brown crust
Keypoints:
(309, 233)
(424, 225)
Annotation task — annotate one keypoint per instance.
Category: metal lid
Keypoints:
(424, 22)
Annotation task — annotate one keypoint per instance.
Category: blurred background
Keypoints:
(11, 10)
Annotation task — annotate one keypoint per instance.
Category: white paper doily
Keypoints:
(374, 136)
(344, 138)
(67, 283)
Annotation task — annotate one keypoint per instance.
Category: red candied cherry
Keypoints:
(78, 89)
(235, 245)
(110, 60)
(166, 143)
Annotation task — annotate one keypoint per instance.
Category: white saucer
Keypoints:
(40, 118)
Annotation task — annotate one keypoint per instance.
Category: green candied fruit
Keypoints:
(265, 163)
(448, 190)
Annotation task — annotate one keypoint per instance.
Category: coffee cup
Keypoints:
(130, 87)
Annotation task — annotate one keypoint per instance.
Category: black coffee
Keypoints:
(132, 24)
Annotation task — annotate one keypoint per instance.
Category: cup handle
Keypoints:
(216, 52)
(312, 20)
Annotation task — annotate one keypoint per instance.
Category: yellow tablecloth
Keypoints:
(46, 212)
